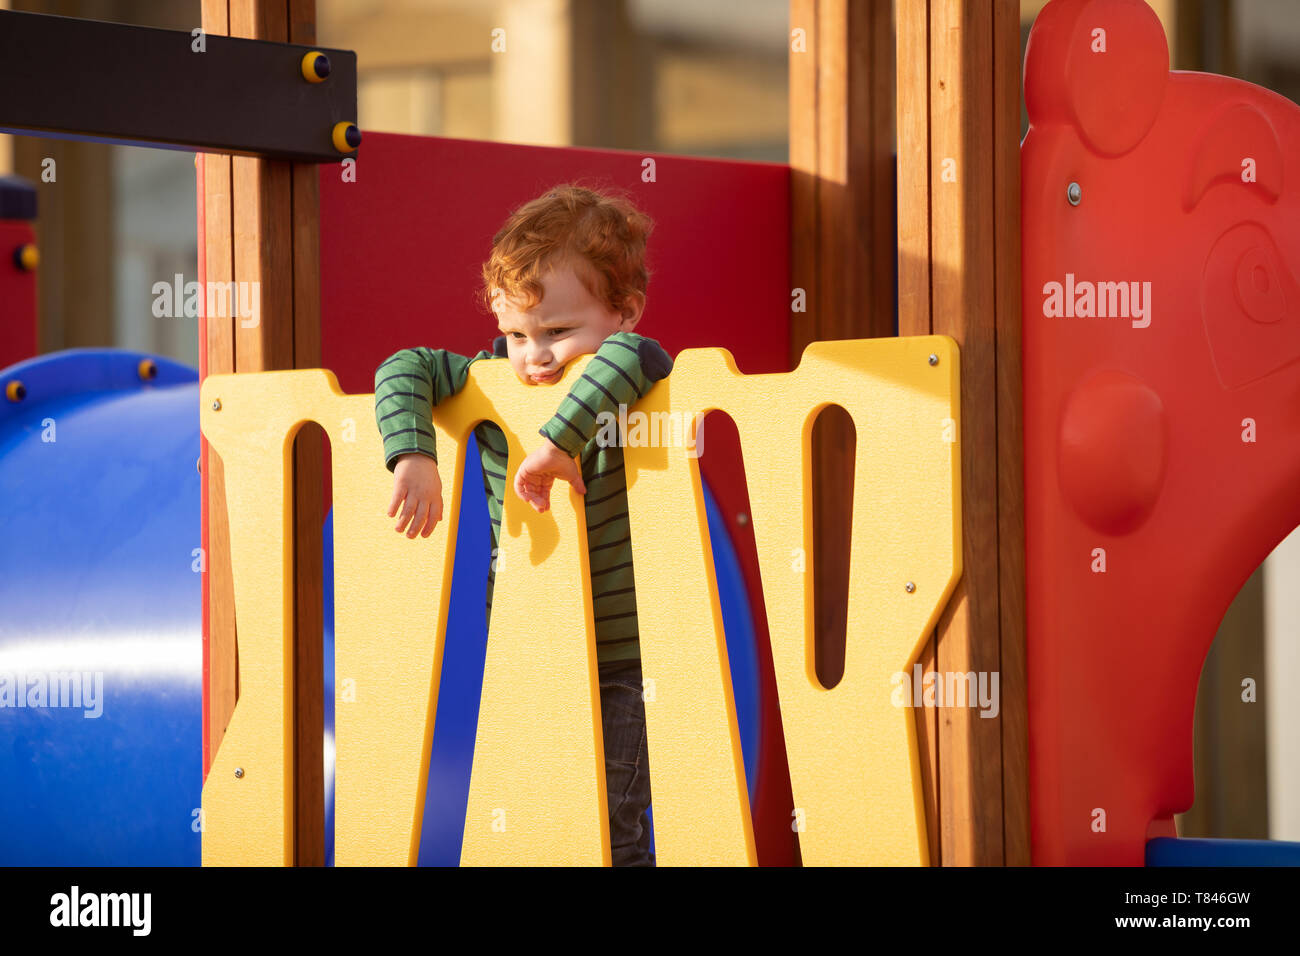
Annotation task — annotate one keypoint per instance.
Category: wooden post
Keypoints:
(261, 224)
(841, 249)
(841, 169)
(959, 275)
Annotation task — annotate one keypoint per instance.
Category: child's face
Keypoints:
(567, 323)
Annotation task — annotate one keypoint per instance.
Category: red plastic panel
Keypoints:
(17, 296)
(401, 250)
(401, 247)
(1162, 405)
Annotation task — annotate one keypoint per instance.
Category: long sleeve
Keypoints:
(620, 372)
(407, 386)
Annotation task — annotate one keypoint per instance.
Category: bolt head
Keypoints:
(910, 587)
(216, 404)
(239, 771)
(1074, 194)
(934, 359)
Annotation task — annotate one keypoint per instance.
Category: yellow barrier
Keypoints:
(537, 792)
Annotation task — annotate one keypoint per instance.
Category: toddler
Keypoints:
(566, 277)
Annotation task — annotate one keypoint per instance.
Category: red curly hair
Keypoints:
(602, 235)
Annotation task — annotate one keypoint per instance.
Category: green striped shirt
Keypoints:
(409, 383)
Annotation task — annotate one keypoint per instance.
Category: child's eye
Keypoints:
(519, 336)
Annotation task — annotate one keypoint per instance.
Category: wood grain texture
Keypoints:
(304, 224)
(218, 340)
(842, 187)
(262, 223)
(961, 130)
(959, 275)
(1010, 447)
(912, 39)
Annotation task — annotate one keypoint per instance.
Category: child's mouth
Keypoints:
(545, 379)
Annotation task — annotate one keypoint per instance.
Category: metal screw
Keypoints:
(934, 359)
(910, 587)
(216, 405)
(1074, 194)
(239, 771)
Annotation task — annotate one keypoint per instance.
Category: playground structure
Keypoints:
(1139, 415)
(537, 759)
(1095, 393)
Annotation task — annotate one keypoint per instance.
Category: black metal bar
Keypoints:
(73, 78)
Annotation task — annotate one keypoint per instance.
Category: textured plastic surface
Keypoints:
(452, 753)
(403, 245)
(1162, 433)
(536, 792)
(99, 583)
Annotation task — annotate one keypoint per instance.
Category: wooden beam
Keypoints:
(309, 504)
(1013, 713)
(262, 225)
(216, 264)
(842, 239)
(959, 275)
(912, 37)
(961, 284)
(842, 170)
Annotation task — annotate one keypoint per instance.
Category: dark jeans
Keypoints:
(627, 763)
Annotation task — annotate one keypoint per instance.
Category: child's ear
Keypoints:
(631, 313)
(1099, 65)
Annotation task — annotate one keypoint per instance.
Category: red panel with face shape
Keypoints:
(1162, 405)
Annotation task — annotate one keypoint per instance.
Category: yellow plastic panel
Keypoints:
(854, 762)
(853, 756)
(537, 790)
(387, 654)
(247, 819)
(391, 597)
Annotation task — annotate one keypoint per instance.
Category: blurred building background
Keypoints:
(677, 76)
(696, 77)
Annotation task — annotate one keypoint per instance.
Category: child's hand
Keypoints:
(538, 472)
(416, 480)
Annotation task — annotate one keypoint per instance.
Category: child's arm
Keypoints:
(620, 372)
(407, 386)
